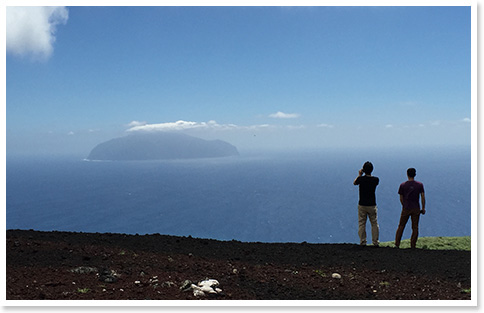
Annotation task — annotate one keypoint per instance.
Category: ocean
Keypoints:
(292, 196)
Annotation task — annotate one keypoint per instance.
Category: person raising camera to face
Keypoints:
(367, 204)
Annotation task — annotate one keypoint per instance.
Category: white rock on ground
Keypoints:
(205, 287)
(336, 275)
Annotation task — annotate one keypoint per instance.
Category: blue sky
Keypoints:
(258, 77)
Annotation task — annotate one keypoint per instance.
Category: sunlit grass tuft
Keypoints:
(435, 243)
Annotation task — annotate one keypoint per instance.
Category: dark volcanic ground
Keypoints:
(78, 266)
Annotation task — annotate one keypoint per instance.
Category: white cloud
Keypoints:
(466, 120)
(136, 123)
(31, 30)
(389, 126)
(70, 133)
(256, 127)
(181, 125)
(187, 125)
(325, 125)
(284, 115)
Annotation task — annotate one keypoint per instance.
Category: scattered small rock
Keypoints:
(108, 276)
(154, 280)
(336, 276)
(168, 284)
(84, 270)
(186, 285)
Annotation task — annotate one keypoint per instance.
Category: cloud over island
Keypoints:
(178, 125)
(181, 125)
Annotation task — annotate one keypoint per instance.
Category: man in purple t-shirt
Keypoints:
(410, 192)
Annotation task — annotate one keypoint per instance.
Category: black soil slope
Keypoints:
(63, 265)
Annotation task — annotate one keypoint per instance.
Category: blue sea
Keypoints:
(256, 197)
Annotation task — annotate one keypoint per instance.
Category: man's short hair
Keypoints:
(411, 172)
(368, 167)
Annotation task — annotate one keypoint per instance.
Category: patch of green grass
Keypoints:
(83, 290)
(320, 273)
(435, 243)
(466, 290)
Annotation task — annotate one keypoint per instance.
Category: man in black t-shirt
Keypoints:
(367, 204)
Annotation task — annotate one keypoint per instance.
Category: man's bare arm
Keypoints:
(360, 172)
(422, 195)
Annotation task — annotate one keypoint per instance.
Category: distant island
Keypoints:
(160, 146)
